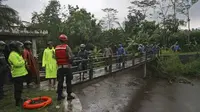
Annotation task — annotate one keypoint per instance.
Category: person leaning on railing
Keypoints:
(83, 55)
(120, 53)
(107, 53)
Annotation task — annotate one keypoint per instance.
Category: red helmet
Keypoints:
(63, 37)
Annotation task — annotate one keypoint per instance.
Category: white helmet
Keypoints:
(82, 45)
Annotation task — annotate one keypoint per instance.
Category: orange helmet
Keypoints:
(63, 37)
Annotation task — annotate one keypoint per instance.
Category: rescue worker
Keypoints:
(33, 71)
(107, 53)
(4, 68)
(18, 69)
(83, 55)
(64, 61)
(49, 62)
(120, 53)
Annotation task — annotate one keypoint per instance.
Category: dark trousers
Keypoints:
(31, 78)
(107, 62)
(18, 88)
(119, 61)
(62, 73)
(2, 79)
(28, 78)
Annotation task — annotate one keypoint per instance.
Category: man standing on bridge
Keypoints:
(120, 53)
(83, 55)
(64, 60)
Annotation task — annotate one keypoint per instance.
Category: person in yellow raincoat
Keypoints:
(50, 64)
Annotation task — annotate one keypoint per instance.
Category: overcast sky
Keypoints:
(26, 7)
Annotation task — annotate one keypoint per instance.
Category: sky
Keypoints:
(26, 7)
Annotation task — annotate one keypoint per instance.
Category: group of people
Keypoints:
(22, 66)
(57, 62)
(119, 51)
(151, 49)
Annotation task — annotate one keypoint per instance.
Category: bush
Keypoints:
(192, 68)
(171, 67)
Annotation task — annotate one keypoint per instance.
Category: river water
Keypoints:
(127, 93)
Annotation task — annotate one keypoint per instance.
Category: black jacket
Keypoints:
(83, 54)
(3, 63)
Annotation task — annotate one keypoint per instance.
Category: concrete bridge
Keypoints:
(106, 91)
(128, 91)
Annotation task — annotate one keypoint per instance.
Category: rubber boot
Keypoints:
(70, 97)
(60, 97)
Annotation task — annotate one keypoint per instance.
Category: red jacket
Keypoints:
(31, 62)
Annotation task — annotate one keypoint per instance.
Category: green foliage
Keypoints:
(192, 68)
(96, 53)
(171, 67)
(82, 27)
(8, 16)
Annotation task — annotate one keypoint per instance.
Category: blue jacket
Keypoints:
(121, 50)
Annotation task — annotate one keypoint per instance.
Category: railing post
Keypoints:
(123, 61)
(110, 64)
(145, 65)
(91, 68)
(133, 60)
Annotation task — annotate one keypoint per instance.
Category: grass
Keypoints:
(8, 103)
(170, 52)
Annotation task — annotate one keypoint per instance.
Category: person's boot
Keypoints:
(70, 97)
(60, 97)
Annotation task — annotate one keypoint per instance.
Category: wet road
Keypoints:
(177, 97)
(109, 95)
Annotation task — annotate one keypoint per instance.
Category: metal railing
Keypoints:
(100, 66)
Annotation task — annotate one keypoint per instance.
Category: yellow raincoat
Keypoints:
(18, 66)
(49, 62)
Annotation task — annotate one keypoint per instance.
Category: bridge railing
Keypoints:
(100, 66)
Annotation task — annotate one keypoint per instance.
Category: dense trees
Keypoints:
(8, 16)
(148, 22)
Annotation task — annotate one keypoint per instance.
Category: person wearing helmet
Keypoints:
(33, 71)
(120, 53)
(83, 55)
(4, 68)
(18, 69)
(49, 62)
(64, 58)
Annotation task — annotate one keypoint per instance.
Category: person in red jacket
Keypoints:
(33, 71)
(64, 61)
